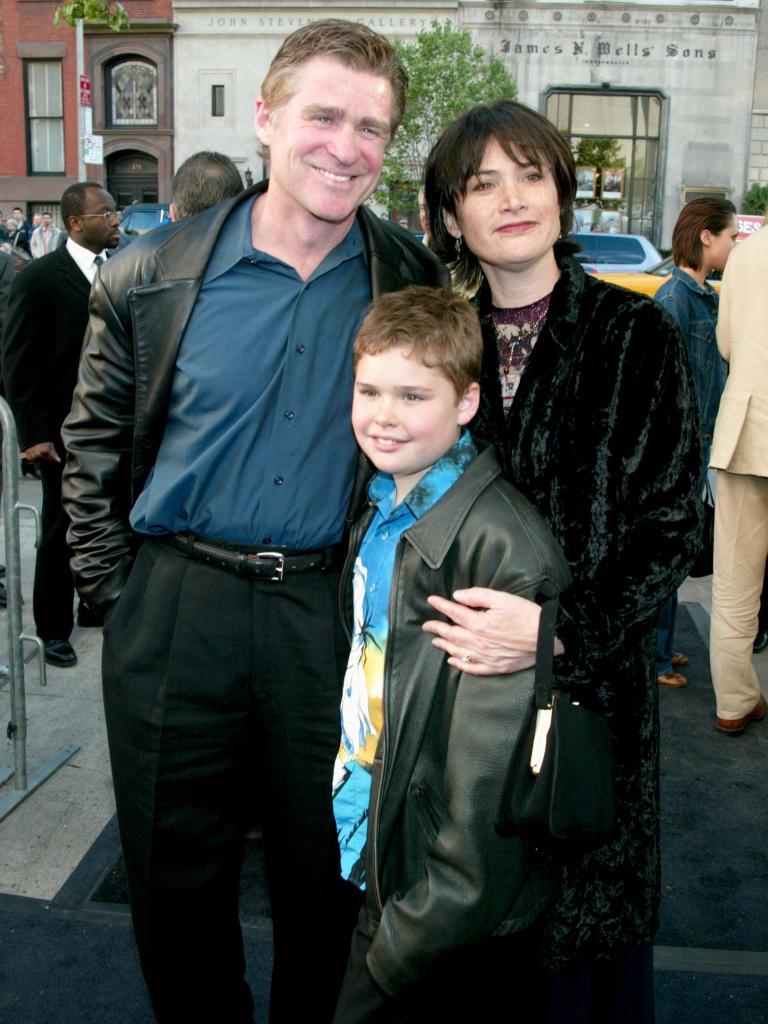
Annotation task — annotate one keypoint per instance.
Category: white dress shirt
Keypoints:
(85, 259)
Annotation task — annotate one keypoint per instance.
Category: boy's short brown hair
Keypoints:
(439, 328)
(354, 45)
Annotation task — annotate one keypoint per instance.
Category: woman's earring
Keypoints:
(457, 246)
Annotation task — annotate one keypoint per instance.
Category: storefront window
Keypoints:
(615, 139)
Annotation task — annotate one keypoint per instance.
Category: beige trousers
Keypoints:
(741, 546)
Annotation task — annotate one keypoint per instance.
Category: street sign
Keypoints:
(85, 90)
(93, 149)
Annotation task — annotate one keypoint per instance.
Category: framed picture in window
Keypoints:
(583, 216)
(586, 179)
(610, 222)
(613, 183)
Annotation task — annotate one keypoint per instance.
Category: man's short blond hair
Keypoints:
(353, 45)
(439, 328)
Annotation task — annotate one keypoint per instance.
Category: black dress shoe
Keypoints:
(761, 642)
(3, 596)
(60, 653)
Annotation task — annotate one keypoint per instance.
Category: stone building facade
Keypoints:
(671, 82)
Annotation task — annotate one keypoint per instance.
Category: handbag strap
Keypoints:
(549, 600)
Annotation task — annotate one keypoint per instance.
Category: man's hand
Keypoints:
(42, 452)
(495, 630)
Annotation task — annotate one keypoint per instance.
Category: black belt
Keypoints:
(250, 562)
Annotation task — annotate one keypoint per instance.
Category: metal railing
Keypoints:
(24, 782)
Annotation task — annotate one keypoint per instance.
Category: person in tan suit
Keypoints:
(740, 456)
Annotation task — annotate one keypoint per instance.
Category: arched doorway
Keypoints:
(132, 178)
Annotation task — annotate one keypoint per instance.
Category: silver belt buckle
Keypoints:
(279, 559)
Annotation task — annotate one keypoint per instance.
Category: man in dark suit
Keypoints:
(47, 317)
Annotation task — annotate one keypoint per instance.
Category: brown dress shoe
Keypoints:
(672, 679)
(679, 660)
(736, 726)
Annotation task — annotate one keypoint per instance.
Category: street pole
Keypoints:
(80, 51)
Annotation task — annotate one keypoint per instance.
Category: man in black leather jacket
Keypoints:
(210, 465)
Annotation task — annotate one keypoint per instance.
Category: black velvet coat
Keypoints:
(602, 439)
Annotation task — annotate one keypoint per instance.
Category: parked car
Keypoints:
(142, 217)
(648, 282)
(604, 254)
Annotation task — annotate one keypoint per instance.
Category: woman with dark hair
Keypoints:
(702, 240)
(587, 396)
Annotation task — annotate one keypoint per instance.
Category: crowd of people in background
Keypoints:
(189, 402)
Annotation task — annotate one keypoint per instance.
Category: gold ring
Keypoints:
(466, 657)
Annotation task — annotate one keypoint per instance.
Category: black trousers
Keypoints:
(220, 692)
(503, 978)
(53, 592)
(497, 978)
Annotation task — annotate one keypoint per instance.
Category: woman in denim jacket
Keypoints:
(702, 240)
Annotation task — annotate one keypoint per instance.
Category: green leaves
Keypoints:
(113, 15)
(599, 153)
(756, 200)
(448, 73)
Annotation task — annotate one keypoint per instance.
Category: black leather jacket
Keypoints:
(140, 306)
(438, 876)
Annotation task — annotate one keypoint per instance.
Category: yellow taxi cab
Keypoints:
(648, 282)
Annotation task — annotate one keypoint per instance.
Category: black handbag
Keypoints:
(703, 564)
(559, 782)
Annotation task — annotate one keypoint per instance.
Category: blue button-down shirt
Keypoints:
(258, 446)
(362, 710)
(695, 310)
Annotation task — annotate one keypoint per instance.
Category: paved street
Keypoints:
(44, 838)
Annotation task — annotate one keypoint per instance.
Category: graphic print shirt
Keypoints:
(362, 713)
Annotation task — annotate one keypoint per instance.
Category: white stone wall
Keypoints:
(758, 149)
(700, 55)
(232, 44)
(702, 60)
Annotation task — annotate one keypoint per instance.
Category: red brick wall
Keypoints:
(31, 21)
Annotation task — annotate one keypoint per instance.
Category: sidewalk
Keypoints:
(44, 838)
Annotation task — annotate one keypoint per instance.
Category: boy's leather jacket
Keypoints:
(437, 875)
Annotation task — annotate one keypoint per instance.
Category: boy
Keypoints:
(424, 751)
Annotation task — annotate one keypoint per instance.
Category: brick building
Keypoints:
(132, 96)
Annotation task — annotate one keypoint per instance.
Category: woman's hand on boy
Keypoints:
(490, 632)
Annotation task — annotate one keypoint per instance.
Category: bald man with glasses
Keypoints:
(47, 317)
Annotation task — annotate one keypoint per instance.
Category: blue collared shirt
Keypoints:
(362, 710)
(258, 446)
(695, 310)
